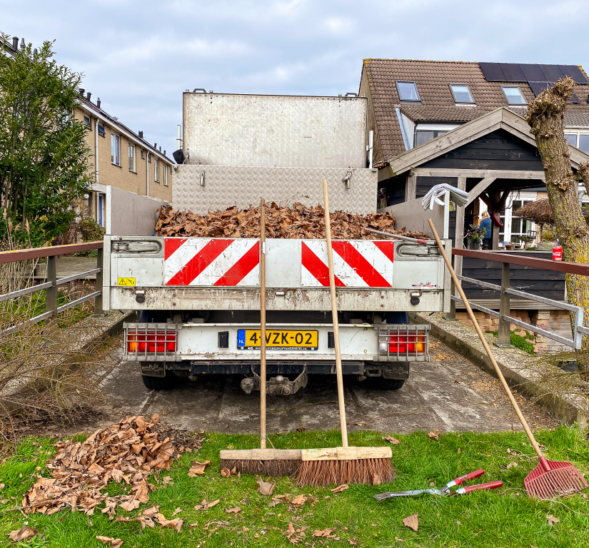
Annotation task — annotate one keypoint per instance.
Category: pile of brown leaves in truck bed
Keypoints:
(128, 451)
(298, 222)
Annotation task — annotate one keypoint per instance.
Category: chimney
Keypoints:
(141, 134)
(15, 43)
(155, 145)
(88, 95)
(160, 148)
(22, 43)
(82, 90)
(35, 51)
(98, 102)
(164, 152)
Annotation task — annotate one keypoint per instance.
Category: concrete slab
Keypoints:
(448, 393)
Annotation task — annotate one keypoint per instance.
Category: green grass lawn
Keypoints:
(505, 517)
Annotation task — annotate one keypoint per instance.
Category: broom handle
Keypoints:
(338, 357)
(262, 324)
(486, 344)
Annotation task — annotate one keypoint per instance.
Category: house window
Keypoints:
(515, 227)
(149, 158)
(156, 170)
(514, 95)
(461, 93)
(87, 122)
(427, 132)
(142, 154)
(165, 171)
(408, 92)
(101, 131)
(579, 139)
(132, 158)
(115, 149)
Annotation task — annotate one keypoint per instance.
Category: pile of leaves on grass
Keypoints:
(298, 222)
(125, 452)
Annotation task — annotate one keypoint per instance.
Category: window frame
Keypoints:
(156, 170)
(115, 139)
(165, 174)
(578, 133)
(132, 167)
(503, 88)
(456, 101)
(88, 124)
(413, 101)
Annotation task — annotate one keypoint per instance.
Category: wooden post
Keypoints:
(98, 311)
(411, 187)
(451, 316)
(262, 324)
(459, 235)
(504, 335)
(495, 229)
(51, 299)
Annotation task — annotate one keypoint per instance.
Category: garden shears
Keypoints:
(446, 489)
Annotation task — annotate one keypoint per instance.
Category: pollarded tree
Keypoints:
(546, 119)
(44, 160)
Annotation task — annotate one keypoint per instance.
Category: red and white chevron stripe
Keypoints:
(367, 263)
(211, 262)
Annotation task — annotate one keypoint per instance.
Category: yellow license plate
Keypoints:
(278, 339)
(129, 282)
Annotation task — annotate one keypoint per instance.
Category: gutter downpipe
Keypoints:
(147, 173)
(96, 162)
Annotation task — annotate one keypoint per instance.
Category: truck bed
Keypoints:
(157, 273)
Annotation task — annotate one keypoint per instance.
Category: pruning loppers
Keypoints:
(446, 489)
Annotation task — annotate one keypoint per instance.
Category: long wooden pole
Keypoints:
(486, 344)
(338, 357)
(262, 324)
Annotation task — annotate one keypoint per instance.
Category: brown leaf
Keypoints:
(552, 520)
(225, 472)
(167, 480)
(294, 535)
(23, 533)
(353, 541)
(400, 539)
(412, 522)
(130, 505)
(177, 511)
(266, 488)
(392, 440)
(340, 488)
(205, 505)
(512, 465)
(435, 434)
(114, 542)
(235, 510)
(326, 533)
(198, 468)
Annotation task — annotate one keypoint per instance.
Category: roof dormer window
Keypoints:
(462, 94)
(514, 95)
(408, 92)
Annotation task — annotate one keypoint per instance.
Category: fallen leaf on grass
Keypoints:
(459, 450)
(195, 524)
(353, 541)
(325, 533)
(266, 488)
(23, 533)
(294, 535)
(225, 472)
(551, 519)
(235, 510)
(198, 468)
(340, 488)
(114, 542)
(168, 480)
(392, 440)
(130, 505)
(435, 434)
(400, 539)
(512, 465)
(171, 523)
(177, 511)
(205, 504)
(412, 522)
(301, 429)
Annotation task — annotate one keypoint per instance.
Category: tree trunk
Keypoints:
(545, 116)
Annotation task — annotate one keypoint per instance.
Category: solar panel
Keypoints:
(533, 73)
(574, 72)
(551, 72)
(512, 72)
(539, 87)
(574, 99)
(492, 72)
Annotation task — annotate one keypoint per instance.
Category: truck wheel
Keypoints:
(389, 384)
(157, 383)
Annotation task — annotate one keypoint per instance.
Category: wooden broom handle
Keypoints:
(262, 324)
(338, 357)
(486, 344)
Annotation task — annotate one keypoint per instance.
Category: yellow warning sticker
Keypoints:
(129, 282)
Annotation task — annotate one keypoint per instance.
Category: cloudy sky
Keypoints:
(139, 57)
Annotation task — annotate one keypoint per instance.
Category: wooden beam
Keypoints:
(411, 187)
(459, 235)
(478, 173)
(480, 187)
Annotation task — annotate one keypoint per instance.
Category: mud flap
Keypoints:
(153, 369)
(396, 370)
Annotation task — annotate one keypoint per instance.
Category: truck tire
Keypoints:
(388, 384)
(157, 383)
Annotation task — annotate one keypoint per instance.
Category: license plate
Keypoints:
(278, 339)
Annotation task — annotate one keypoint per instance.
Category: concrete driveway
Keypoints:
(448, 393)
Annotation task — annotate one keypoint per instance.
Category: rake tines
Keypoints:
(551, 478)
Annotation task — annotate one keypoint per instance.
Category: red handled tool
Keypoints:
(446, 489)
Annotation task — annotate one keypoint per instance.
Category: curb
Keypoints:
(524, 372)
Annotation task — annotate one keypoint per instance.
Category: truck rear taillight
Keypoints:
(400, 342)
(151, 342)
(409, 342)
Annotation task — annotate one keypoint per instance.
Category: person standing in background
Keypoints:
(486, 223)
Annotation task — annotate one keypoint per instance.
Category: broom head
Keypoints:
(552, 478)
(340, 465)
(269, 462)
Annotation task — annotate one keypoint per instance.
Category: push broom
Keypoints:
(342, 464)
(270, 462)
(549, 478)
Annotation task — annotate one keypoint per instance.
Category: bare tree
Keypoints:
(546, 118)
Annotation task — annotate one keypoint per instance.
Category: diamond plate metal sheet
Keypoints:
(274, 130)
(227, 186)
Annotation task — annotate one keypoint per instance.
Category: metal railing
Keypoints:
(505, 319)
(52, 283)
